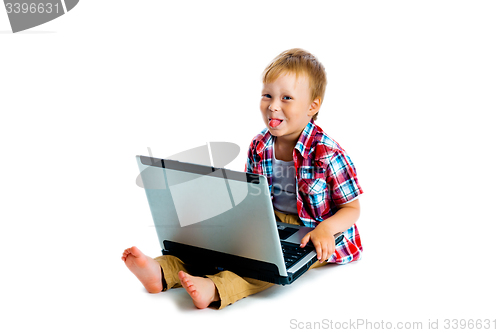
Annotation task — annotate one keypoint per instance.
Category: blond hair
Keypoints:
(299, 62)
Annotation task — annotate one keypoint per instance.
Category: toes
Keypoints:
(125, 255)
(188, 284)
(183, 278)
(194, 294)
(126, 251)
(135, 251)
(191, 289)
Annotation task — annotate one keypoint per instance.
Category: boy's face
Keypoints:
(286, 105)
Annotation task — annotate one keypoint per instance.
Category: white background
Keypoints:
(413, 96)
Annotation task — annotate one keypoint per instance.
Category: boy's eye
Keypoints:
(266, 96)
(287, 98)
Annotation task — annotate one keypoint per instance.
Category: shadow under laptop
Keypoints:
(179, 299)
(312, 276)
(183, 302)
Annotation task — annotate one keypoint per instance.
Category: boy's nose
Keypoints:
(274, 106)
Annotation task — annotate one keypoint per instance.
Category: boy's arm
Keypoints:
(322, 236)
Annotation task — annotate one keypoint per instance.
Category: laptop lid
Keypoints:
(214, 215)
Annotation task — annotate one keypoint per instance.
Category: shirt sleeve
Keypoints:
(342, 178)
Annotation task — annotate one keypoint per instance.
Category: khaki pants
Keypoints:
(230, 286)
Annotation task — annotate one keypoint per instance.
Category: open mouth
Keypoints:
(274, 122)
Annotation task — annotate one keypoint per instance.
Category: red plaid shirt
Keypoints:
(325, 179)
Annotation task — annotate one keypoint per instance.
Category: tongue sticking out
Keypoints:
(275, 122)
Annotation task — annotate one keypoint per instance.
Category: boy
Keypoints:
(312, 182)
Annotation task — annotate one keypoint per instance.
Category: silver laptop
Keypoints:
(217, 219)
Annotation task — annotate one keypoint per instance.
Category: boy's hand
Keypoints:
(323, 237)
(323, 241)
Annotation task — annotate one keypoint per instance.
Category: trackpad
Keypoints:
(286, 232)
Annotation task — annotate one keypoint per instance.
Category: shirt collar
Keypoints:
(306, 139)
(266, 143)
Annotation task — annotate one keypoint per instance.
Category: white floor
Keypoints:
(412, 96)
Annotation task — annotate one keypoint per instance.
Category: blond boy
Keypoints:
(312, 182)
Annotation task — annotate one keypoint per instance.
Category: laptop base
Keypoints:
(206, 261)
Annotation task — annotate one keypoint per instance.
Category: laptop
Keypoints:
(218, 219)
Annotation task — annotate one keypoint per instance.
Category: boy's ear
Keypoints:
(314, 108)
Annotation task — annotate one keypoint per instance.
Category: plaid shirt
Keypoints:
(325, 179)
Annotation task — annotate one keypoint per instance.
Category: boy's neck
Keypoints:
(283, 148)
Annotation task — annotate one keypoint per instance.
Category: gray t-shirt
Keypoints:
(284, 186)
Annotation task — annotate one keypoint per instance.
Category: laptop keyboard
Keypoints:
(292, 254)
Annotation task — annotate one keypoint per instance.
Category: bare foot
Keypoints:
(145, 268)
(202, 290)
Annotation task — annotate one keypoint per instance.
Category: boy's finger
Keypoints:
(319, 250)
(324, 252)
(304, 240)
